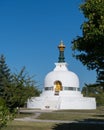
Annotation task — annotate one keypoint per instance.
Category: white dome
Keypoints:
(61, 73)
(61, 89)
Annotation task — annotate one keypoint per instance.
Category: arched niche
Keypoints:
(57, 87)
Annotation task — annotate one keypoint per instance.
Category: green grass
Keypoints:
(76, 115)
(19, 125)
(71, 115)
(78, 126)
(21, 115)
(16, 125)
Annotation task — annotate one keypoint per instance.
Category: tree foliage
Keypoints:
(89, 48)
(5, 114)
(5, 76)
(24, 87)
(94, 90)
(15, 88)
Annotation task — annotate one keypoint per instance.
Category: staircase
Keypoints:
(52, 103)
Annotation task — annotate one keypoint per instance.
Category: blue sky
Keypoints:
(31, 30)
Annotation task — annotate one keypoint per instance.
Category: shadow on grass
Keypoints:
(98, 115)
(87, 124)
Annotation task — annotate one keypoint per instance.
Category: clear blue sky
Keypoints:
(31, 30)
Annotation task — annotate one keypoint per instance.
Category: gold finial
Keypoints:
(61, 46)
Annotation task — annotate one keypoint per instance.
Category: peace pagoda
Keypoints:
(61, 89)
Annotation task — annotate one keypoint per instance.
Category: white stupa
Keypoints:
(61, 89)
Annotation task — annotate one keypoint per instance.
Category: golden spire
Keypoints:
(61, 46)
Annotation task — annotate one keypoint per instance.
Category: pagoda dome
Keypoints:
(67, 79)
(62, 74)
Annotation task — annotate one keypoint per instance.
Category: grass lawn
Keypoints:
(21, 125)
(78, 126)
(17, 125)
(70, 115)
(76, 115)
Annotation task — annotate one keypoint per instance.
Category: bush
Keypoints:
(5, 115)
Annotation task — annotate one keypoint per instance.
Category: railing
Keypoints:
(64, 88)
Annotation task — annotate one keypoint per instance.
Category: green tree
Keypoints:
(5, 114)
(89, 48)
(16, 88)
(24, 87)
(5, 77)
(5, 81)
(94, 90)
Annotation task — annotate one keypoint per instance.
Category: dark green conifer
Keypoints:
(5, 76)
